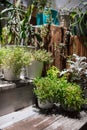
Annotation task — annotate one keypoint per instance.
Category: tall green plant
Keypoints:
(79, 23)
(18, 22)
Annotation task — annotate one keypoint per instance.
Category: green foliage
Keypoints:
(27, 32)
(42, 55)
(18, 29)
(5, 37)
(79, 23)
(53, 72)
(44, 89)
(59, 90)
(27, 58)
(73, 97)
(18, 23)
(77, 70)
(14, 57)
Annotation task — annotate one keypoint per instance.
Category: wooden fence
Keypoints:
(77, 46)
(62, 44)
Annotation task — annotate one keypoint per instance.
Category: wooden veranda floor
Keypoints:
(51, 120)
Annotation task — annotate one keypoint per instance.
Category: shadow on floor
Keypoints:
(59, 110)
(84, 127)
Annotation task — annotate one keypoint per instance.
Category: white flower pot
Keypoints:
(45, 105)
(10, 75)
(34, 70)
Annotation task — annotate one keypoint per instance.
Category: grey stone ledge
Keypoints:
(6, 86)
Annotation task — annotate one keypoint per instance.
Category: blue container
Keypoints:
(55, 17)
(46, 18)
(39, 19)
(51, 18)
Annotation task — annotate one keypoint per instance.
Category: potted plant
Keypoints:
(46, 89)
(39, 57)
(77, 72)
(72, 98)
(44, 92)
(13, 60)
(58, 90)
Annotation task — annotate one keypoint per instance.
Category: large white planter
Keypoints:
(34, 70)
(10, 75)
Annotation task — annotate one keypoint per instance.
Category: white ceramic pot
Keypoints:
(10, 75)
(45, 105)
(34, 70)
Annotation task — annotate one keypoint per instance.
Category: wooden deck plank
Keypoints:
(38, 121)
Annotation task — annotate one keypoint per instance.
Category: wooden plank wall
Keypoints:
(77, 46)
(56, 36)
(74, 45)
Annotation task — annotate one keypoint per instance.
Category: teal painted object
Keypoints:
(46, 18)
(55, 17)
(39, 19)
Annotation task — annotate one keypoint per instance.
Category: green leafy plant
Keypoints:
(5, 37)
(77, 71)
(59, 90)
(18, 23)
(79, 23)
(73, 97)
(50, 87)
(42, 55)
(53, 72)
(44, 89)
(14, 57)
